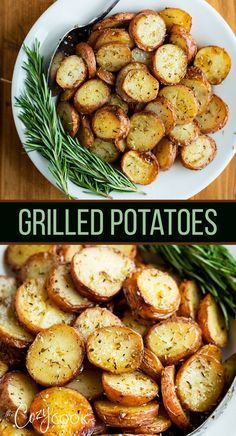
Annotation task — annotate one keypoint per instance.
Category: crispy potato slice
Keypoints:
(146, 130)
(139, 55)
(17, 391)
(212, 351)
(8, 429)
(115, 349)
(230, 369)
(16, 255)
(190, 299)
(8, 286)
(11, 356)
(88, 383)
(135, 323)
(69, 118)
(165, 111)
(199, 153)
(109, 36)
(160, 424)
(200, 382)
(3, 368)
(184, 102)
(165, 153)
(152, 293)
(170, 64)
(99, 272)
(114, 56)
(92, 95)
(148, 30)
(67, 95)
(173, 16)
(180, 37)
(132, 66)
(68, 251)
(151, 365)
(106, 150)
(215, 62)
(86, 52)
(140, 86)
(110, 122)
(116, 100)
(74, 413)
(131, 389)
(174, 339)
(85, 133)
(34, 309)
(116, 415)
(171, 402)
(212, 323)
(215, 117)
(117, 20)
(61, 350)
(93, 37)
(62, 292)
(38, 266)
(94, 318)
(106, 76)
(196, 80)
(185, 134)
(141, 168)
(72, 72)
(129, 250)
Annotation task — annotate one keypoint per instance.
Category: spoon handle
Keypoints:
(104, 13)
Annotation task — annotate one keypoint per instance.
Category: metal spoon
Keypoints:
(67, 44)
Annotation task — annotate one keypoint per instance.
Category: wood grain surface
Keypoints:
(19, 179)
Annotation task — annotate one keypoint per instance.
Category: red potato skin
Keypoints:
(190, 41)
(204, 322)
(120, 19)
(86, 52)
(151, 365)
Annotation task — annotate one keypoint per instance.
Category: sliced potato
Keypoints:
(190, 299)
(109, 36)
(94, 318)
(165, 152)
(151, 365)
(34, 309)
(141, 168)
(174, 339)
(72, 72)
(106, 150)
(67, 95)
(116, 100)
(215, 62)
(86, 52)
(11, 356)
(211, 350)
(115, 349)
(146, 130)
(173, 16)
(69, 118)
(139, 55)
(212, 323)
(116, 415)
(16, 255)
(38, 266)
(117, 20)
(148, 30)
(165, 111)
(180, 37)
(92, 95)
(170, 64)
(135, 323)
(200, 382)
(160, 424)
(110, 122)
(184, 134)
(99, 272)
(132, 66)
(8, 429)
(230, 369)
(88, 383)
(17, 391)
(92, 39)
(60, 349)
(196, 80)
(74, 415)
(68, 251)
(199, 153)
(140, 86)
(131, 389)
(184, 102)
(170, 399)
(129, 250)
(62, 292)
(215, 117)
(152, 293)
(107, 77)
(85, 133)
(121, 144)
(8, 286)
(3, 368)
(114, 56)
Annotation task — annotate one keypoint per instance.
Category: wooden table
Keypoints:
(19, 179)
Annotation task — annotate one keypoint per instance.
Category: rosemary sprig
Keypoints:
(212, 266)
(68, 160)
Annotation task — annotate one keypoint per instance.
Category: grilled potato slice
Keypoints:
(69, 118)
(88, 383)
(174, 339)
(140, 86)
(109, 36)
(115, 349)
(199, 153)
(121, 19)
(215, 117)
(99, 272)
(106, 150)
(3, 368)
(190, 299)
(215, 62)
(139, 55)
(94, 318)
(114, 56)
(173, 16)
(180, 37)
(11, 356)
(92, 95)
(34, 309)
(8, 286)
(171, 401)
(110, 122)
(60, 349)
(151, 365)
(141, 168)
(196, 80)
(72, 72)
(67, 252)
(184, 134)
(131, 389)
(106, 76)
(129, 250)
(116, 100)
(74, 413)
(135, 323)
(170, 64)
(146, 130)
(16, 255)
(11, 332)
(165, 111)
(151, 293)
(211, 351)
(212, 323)
(17, 391)
(85, 133)
(132, 66)
(62, 292)
(148, 30)
(8, 429)
(200, 382)
(38, 266)
(86, 52)
(165, 153)
(93, 37)
(183, 101)
(230, 369)
(67, 95)
(160, 424)
(116, 415)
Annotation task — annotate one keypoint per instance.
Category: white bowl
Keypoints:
(223, 417)
(208, 28)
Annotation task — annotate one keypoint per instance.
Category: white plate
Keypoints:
(222, 420)
(208, 28)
